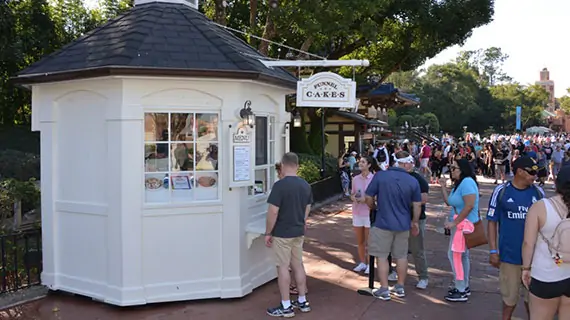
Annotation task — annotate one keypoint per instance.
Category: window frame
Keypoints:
(170, 172)
(269, 167)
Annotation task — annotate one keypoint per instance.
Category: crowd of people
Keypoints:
(528, 235)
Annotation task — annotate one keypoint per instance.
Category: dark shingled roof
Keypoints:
(156, 39)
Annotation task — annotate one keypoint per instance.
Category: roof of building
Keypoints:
(162, 39)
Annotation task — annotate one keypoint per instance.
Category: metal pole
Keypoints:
(323, 143)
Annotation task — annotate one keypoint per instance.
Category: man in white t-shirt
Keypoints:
(382, 161)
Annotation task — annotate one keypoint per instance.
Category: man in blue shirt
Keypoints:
(508, 207)
(396, 192)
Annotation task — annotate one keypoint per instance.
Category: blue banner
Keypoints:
(519, 112)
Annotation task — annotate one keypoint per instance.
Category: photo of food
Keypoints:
(153, 183)
(207, 181)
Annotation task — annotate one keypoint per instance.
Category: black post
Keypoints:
(323, 143)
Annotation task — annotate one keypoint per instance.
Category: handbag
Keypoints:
(476, 238)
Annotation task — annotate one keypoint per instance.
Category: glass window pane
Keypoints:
(182, 158)
(182, 126)
(272, 176)
(206, 186)
(156, 157)
(156, 187)
(206, 156)
(207, 126)
(272, 128)
(260, 181)
(272, 152)
(156, 126)
(182, 186)
(260, 141)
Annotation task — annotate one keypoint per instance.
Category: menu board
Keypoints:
(242, 165)
(241, 154)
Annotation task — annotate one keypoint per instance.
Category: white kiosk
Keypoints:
(155, 173)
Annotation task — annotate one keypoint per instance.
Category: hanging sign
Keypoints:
(326, 90)
(241, 156)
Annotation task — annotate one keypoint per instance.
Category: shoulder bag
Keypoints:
(478, 237)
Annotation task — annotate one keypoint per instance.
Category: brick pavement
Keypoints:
(329, 255)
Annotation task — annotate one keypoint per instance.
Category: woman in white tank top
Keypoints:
(547, 281)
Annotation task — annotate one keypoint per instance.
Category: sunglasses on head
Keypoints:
(453, 168)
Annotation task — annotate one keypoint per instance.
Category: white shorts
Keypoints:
(361, 221)
(424, 162)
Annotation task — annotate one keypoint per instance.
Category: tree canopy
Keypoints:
(472, 91)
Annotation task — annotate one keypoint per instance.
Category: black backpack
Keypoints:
(502, 192)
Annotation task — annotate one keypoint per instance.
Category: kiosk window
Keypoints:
(181, 157)
(264, 155)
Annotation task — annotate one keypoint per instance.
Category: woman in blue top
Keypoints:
(464, 200)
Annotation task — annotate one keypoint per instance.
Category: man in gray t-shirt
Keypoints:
(289, 205)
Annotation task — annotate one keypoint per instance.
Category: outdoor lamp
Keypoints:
(247, 115)
(297, 119)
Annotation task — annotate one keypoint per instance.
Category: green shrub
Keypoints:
(19, 165)
(309, 171)
(310, 166)
(12, 190)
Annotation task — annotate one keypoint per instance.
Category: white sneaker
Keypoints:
(367, 271)
(422, 284)
(360, 267)
(393, 276)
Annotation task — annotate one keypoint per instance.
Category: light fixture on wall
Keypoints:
(297, 123)
(247, 115)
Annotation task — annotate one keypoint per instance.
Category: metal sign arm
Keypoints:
(316, 63)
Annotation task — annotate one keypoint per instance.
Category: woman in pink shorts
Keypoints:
(360, 211)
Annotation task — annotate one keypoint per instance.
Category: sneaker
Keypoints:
(304, 307)
(422, 284)
(451, 288)
(393, 276)
(398, 291)
(382, 294)
(367, 271)
(360, 267)
(456, 296)
(281, 312)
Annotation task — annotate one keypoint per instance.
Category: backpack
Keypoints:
(502, 192)
(559, 243)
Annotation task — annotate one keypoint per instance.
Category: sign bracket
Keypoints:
(315, 63)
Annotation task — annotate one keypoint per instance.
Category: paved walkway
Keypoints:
(329, 256)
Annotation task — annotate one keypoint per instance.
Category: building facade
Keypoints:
(548, 85)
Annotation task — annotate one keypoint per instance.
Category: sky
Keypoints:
(530, 32)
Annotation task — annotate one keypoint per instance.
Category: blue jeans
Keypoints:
(460, 284)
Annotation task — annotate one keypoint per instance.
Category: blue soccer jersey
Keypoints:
(508, 208)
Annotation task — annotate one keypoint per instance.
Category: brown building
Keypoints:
(548, 85)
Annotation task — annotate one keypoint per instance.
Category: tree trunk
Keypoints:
(252, 14)
(305, 47)
(17, 215)
(269, 33)
(220, 13)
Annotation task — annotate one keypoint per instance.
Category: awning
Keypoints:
(361, 119)
(389, 91)
(545, 114)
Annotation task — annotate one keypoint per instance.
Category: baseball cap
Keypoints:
(527, 164)
(563, 176)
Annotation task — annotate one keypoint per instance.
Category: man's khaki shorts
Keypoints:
(382, 242)
(288, 251)
(511, 284)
